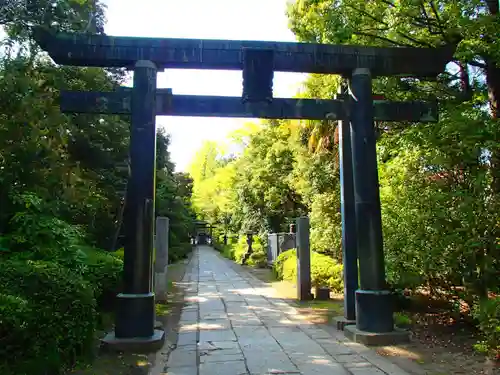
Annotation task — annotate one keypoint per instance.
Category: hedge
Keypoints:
(49, 313)
(104, 272)
(325, 271)
(47, 317)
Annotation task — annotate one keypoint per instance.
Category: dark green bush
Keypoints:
(47, 317)
(487, 314)
(179, 252)
(104, 272)
(325, 271)
(39, 235)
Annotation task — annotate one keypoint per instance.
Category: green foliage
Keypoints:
(62, 187)
(439, 183)
(401, 320)
(325, 271)
(258, 257)
(279, 263)
(253, 192)
(227, 251)
(179, 252)
(47, 317)
(487, 313)
(104, 272)
(38, 235)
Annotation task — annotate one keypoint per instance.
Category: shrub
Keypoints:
(227, 251)
(487, 313)
(258, 257)
(47, 317)
(38, 235)
(178, 252)
(104, 273)
(280, 261)
(119, 253)
(325, 271)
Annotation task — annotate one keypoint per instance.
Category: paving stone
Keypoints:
(191, 370)
(334, 348)
(187, 338)
(358, 365)
(366, 371)
(233, 298)
(349, 358)
(182, 358)
(237, 307)
(219, 345)
(189, 315)
(217, 315)
(229, 368)
(188, 327)
(262, 362)
(211, 305)
(330, 368)
(217, 335)
(316, 333)
(246, 322)
(294, 349)
(221, 357)
(206, 325)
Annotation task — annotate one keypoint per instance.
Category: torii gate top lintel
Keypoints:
(94, 50)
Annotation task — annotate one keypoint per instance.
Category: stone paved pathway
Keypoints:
(232, 325)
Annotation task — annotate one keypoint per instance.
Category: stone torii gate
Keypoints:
(371, 305)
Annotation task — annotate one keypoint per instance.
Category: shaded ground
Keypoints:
(139, 364)
(439, 346)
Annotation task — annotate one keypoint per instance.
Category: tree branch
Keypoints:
(477, 64)
(400, 44)
(438, 21)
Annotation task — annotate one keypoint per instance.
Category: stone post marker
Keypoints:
(161, 261)
(303, 260)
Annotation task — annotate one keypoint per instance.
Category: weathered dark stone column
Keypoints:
(303, 260)
(348, 212)
(136, 305)
(373, 301)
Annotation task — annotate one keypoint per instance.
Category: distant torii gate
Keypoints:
(258, 61)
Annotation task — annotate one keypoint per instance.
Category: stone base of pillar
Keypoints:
(142, 345)
(135, 315)
(396, 336)
(374, 311)
(341, 322)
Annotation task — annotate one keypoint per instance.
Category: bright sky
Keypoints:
(203, 19)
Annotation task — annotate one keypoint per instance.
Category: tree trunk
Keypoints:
(492, 72)
(493, 81)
